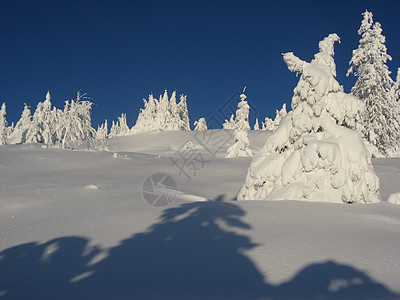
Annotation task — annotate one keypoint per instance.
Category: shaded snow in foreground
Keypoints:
(75, 225)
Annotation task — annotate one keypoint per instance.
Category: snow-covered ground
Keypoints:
(75, 225)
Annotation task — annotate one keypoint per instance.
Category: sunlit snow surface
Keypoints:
(75, 225)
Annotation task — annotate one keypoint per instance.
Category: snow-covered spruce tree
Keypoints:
(75, 124)
(146, 119)
(163, 114)
(312, 156)
(21, 128)
(3, 125)
(200, 125)
(114, 130)
(241, 145)
(175, 120)
(48, 117)
(120, 128)
(256, 125)
(172, 123)
(396, 89)
(102, 131)
(183, 113)
(10, 130)
(42, 128)
(380, 122)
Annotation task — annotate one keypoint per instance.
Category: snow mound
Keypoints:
(92, 187)
(310, 156)
(394, 198)
(189, 198)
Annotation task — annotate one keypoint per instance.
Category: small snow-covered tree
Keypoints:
(173, 120)
(163, 114)
(183, 113)
(200, 125)
(114, 130)
(75, 126)
(42, 126)
(256, 125)
(10, 130)
(48, 117)
(178, 114)
(120, 128)
(380, 122)
(146, 119)
(229, 124)
(270, 124)
(21, 128)
(312, 155)
(396, 88)
(123, 125)
(102, 131)
(241, 145)
(3, 125)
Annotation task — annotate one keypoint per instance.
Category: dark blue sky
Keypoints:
(120, 51)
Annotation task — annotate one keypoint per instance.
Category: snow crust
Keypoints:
(74, 225)
(63, 238)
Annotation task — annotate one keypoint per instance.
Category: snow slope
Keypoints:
(75, 225)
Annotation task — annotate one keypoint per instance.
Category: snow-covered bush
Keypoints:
(380, 122)
(3, 125)
(163, 114)
(200, 125)
(241, 145)
(270, 124)
(311, 156)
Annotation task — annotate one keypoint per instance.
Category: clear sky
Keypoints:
(120, 51)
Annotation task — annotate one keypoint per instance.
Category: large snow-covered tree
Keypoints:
(313, 155)
(241, 145)
(3, 125)
(380, 122)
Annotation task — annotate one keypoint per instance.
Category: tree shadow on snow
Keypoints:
(193, 252)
